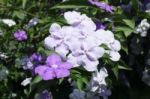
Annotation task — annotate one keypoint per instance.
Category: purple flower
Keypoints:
(36, 57)
(100, 25)
(20, 35)
(54, 68)
(45, 95)
(102, 5)
(26, 63)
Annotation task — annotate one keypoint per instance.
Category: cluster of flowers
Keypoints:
(81, 43)
(143, 28)
(97, 87)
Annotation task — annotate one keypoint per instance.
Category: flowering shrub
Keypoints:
(74, 49)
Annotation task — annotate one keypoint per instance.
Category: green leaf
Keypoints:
(135, 4)
(85, 80)
(127, 30)
(71, 5)
(115, 71)
(124, 68)
(61, 80)
(79, 84)
(24, 2)
(37, 79)
(130, 23)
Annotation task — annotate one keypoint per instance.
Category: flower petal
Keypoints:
(49, 74)
(65, 65)
(73, 60)
(41, 69)
(89, 65)
(61, 72)
(53, 59)
(62, 50)
(114, 56)
(50, 42)
(54, 28)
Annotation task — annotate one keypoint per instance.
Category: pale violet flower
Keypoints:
(98, 79)
(98, 86)
(104, 92)
(26, 63)
(77, 94)
(3, 55)
(79, 20)
(9, 22)
(60, 38)
(33, 22)
(45, 95)
(104, 36)
(143, 28)
(114, 55)
(115, 45)
(146, 77)
(3, 73)
(26, 81)
(87, 55)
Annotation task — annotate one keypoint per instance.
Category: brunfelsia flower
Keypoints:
(80, 21)
(102, 5)
(26, 63)
(33, 22)
(98, 79)
(54, 68)
(21, 35)
(60, 39)
(36, 57)
(26, 81)
(87, 55)
(9, 22)
(77, 94)
(100, 25)
(45, 95)
(143, 28)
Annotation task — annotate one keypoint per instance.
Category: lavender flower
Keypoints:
(100, 25)
(45, 95)
(33, 22)
(54, 68)
(87, 55)
(20, 35)
(102, 5)
(26, 63)
(36, 57)
(77, 94)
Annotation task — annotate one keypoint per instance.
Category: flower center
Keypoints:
(54, 66)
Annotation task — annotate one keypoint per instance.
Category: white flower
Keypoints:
(98, 80)
(33, 22)
(87, 55)
(146, 77)
(3, 55)
(9, 22)
(79, 20)
(115, 45)
(114, 56)
(26, 81)
(77, 94)
(104, 36)
(60, 38)
(73, 17)
(142, 28)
